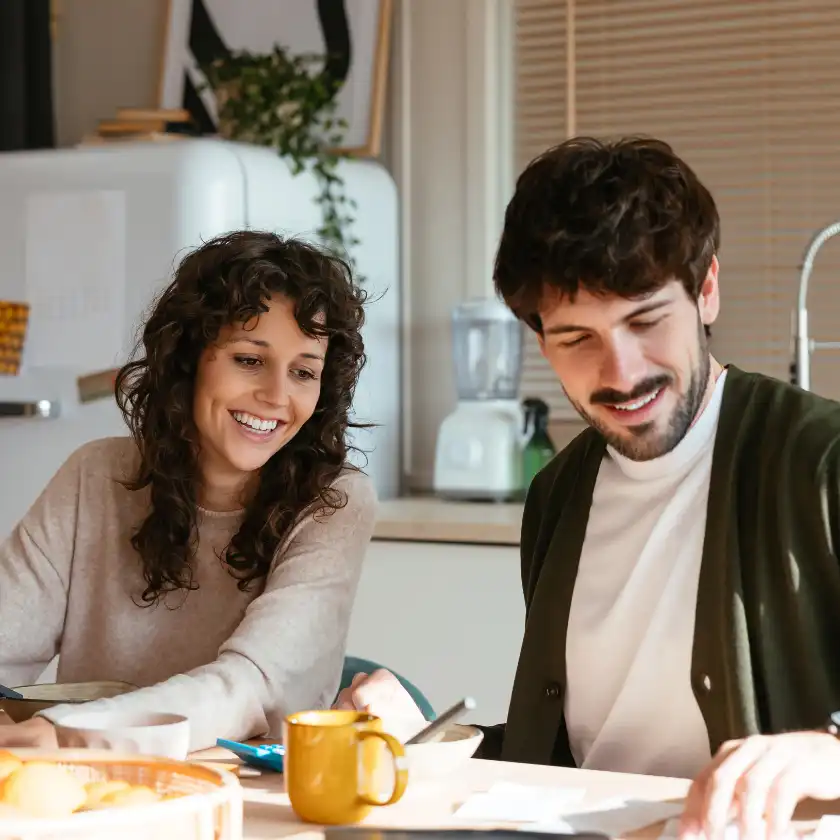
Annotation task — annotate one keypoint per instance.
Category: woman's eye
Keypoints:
(247, 361)
(305, 374)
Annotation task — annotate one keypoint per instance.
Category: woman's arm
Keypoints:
(287, 653)
(35, 563)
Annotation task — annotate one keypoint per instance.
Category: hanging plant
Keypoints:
(288, 103)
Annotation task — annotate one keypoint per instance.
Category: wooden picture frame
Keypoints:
(358, 31)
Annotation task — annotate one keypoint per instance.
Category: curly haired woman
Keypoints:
(212, 557)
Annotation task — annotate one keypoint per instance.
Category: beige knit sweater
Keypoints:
(233, 662)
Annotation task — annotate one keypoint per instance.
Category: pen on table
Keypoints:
(442, 721)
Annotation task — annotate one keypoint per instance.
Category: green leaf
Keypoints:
(288, 103)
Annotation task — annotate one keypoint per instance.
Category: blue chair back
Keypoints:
(354, 665)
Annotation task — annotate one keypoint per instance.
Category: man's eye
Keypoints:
(575, 341)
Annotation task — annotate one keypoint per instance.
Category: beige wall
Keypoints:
(452, 157)
(433, 146)
(126, 38)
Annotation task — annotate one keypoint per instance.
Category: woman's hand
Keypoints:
(761, 778)
(383, 695)
(35, 732)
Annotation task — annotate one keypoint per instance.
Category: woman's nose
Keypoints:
(274, 390)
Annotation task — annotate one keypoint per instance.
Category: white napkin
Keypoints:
(508, 802)
(557, 810)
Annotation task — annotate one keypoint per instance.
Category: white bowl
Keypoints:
(149, 733)
(442, 757)
(37, 698)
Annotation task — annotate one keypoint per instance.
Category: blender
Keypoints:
(479, 446)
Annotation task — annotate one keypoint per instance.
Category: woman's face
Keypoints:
(255, 387)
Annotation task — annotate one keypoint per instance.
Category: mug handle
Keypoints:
(400, 771)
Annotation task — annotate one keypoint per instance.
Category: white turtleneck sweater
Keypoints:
(629, 701)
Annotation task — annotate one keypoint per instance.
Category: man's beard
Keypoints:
(645, 445)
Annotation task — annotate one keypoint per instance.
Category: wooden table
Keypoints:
(431, 803)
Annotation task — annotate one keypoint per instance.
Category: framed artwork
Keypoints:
(354, 34)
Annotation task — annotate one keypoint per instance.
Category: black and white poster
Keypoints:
(355, 34)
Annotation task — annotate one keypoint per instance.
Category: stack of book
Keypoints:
(143, 124)
(97, 386)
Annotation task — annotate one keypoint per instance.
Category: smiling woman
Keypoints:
(269, 388)
(211, 558)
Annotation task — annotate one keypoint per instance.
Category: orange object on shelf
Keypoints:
(14, 319)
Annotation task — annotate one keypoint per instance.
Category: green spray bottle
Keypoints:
(538, 449)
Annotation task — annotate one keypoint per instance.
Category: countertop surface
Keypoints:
(427, 519)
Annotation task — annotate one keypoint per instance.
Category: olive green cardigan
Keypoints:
(766, 654)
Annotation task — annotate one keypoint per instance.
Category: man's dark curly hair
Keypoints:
(614, 218)
(228, 281)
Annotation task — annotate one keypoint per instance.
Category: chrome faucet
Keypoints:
(803, 345)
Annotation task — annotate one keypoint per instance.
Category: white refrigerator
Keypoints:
(88, 236)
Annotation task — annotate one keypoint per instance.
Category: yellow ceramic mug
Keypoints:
(334, 765)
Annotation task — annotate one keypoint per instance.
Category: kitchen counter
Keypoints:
(427, 519)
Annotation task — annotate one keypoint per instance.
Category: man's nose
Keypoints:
(622, 364)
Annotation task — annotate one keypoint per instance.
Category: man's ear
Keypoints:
(708, 301)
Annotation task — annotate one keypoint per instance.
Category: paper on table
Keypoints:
(614, 817)
(828, 828)
(508, 802)
(558, 810)
(672, 829)
(732, 832)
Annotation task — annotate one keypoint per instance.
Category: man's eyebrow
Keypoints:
(644, 309)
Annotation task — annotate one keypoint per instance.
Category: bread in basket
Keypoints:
(115, 796)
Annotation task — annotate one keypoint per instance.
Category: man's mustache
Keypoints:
(608, 396)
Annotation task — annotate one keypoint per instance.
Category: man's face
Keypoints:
(636, 370)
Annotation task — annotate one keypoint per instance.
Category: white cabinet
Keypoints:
(449, 617)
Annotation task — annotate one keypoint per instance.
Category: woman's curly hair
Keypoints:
(614, 218)
(228, 281)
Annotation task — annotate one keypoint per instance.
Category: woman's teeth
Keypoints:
(255, 423)
(641, 403)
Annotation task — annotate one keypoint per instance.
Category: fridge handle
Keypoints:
(36, 408)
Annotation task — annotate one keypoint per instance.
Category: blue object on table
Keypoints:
(9, 694)
(354, 665)
(263, 757)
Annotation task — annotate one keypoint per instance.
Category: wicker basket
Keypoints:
(208, 805)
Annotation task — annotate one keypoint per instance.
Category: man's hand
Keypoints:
(36, 732)
(761, 778)
(383, 695)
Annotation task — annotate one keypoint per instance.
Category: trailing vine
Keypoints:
(288, 103)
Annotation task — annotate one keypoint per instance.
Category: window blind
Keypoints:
(748, 93)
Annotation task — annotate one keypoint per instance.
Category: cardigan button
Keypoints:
(703, 683)
(552, 690)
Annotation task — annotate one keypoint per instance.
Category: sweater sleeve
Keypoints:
(287, 653)
(35, 564)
